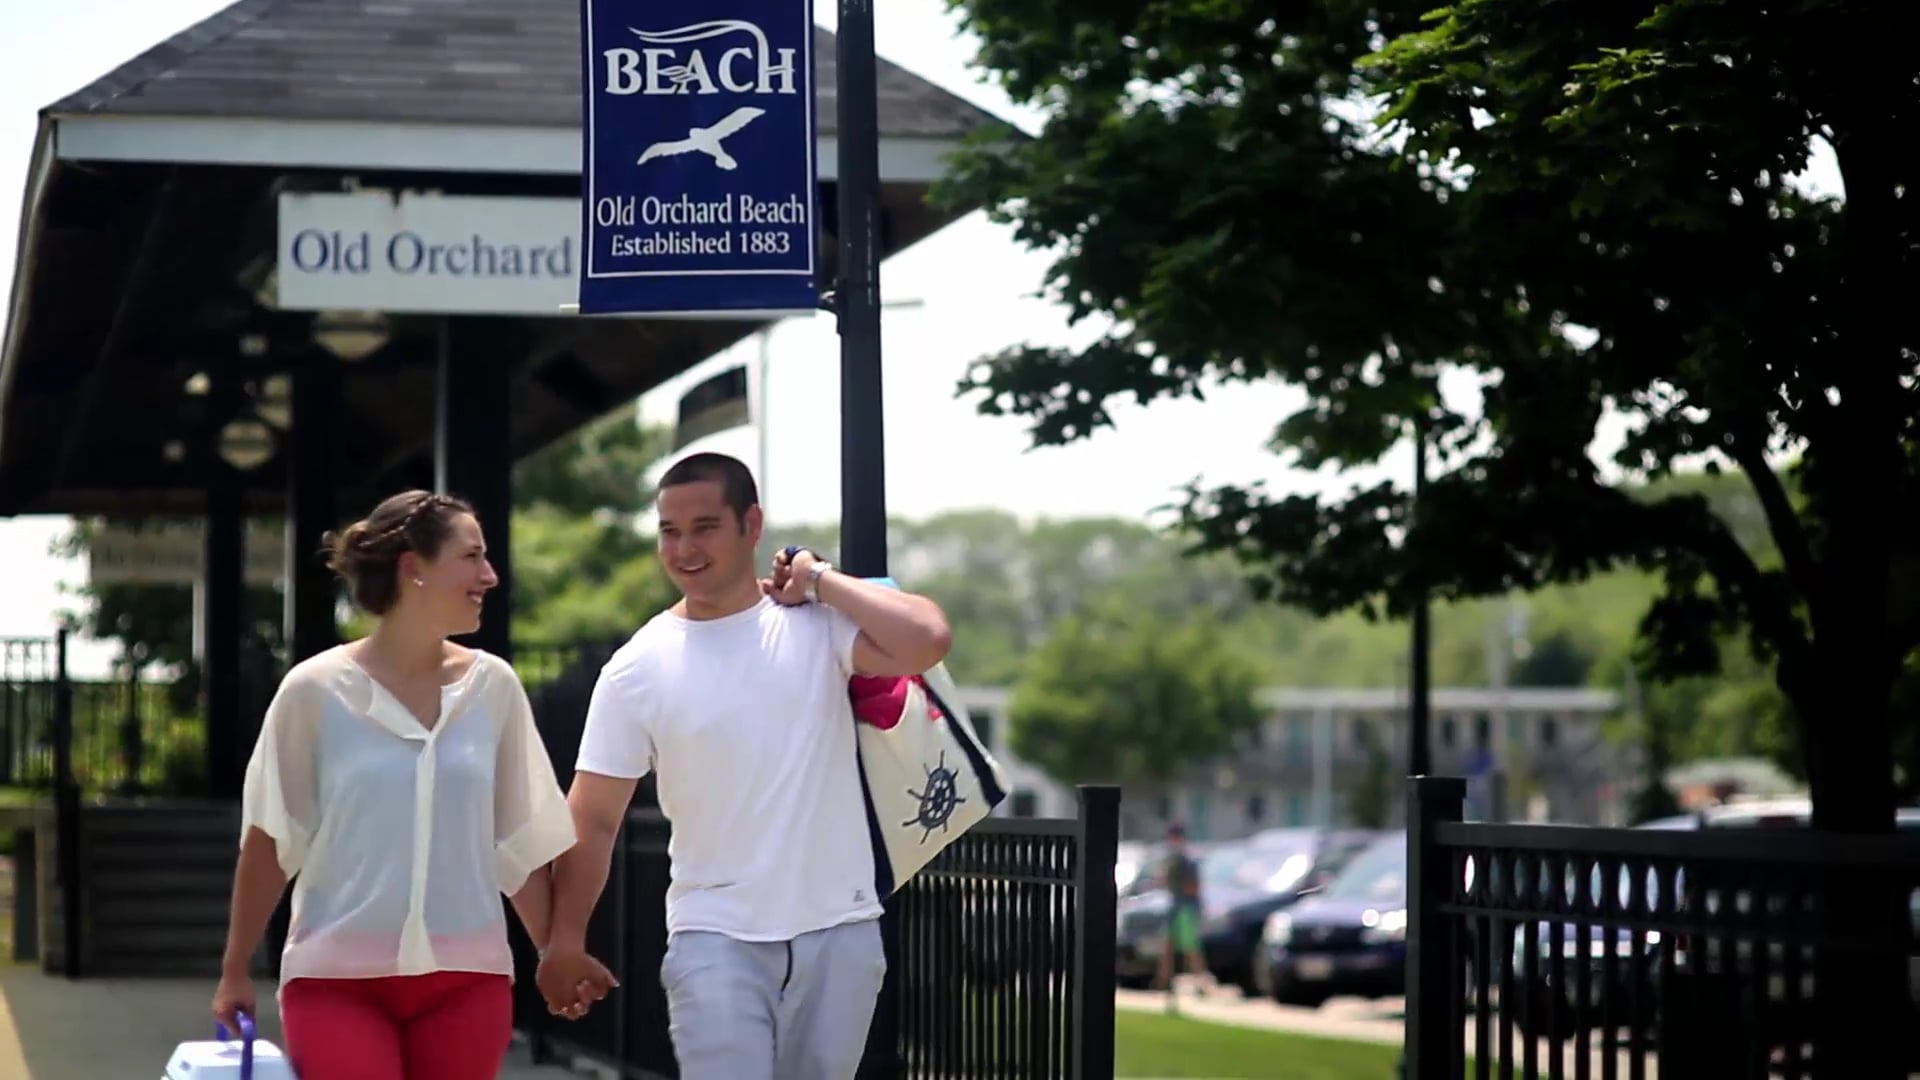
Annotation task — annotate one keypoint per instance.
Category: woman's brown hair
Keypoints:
(366, 554)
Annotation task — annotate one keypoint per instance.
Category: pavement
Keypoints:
(1360, 1019)
(126, 1029)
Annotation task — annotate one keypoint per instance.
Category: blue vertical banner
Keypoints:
(699, 179)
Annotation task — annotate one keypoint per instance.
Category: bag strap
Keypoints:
(969, 744)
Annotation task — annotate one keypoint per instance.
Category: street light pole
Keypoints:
(1419, 672)
(863, 472)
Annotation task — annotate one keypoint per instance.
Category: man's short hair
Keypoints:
(737, 488)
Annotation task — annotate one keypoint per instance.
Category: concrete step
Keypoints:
(208, 940)
(133, 854)
(164, 880)
(159, 911)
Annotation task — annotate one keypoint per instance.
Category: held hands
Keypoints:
(792, 569)
(571, 981)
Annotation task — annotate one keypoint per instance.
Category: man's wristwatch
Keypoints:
(814, 573)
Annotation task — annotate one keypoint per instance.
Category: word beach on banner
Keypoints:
(699, 179)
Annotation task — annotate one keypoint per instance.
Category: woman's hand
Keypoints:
(232, 997)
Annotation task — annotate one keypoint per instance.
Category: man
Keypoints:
(1180, 876)
(737, 698)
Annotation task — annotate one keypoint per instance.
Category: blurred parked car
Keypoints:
(1350, 937)
(1271, 872)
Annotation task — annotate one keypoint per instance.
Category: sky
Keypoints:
(973, 291)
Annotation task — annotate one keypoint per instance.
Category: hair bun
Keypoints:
(367, 553)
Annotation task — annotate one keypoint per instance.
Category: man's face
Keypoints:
(705, 547)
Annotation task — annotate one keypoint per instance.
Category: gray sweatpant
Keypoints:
(772, 1010)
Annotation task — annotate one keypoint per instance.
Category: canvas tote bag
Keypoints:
(927, 776)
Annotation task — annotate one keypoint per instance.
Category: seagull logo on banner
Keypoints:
(706, 140)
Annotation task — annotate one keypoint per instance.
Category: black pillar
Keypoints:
(224, 569)
(312, 508)
(863, 471)
(473, 454)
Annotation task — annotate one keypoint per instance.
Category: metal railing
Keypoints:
(126, 737)
(1003, 963)
(1542, 950)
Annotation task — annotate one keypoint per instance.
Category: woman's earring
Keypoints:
(417, 581)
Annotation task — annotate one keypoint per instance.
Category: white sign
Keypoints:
(171, 554)
(427, 254)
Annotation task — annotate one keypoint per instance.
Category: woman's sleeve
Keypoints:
(281, 795)
(532, 825)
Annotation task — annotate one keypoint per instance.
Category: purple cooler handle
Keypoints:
(246, 1043)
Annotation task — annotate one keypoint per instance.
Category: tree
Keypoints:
(582, 567)
(154, 623)
(1580, 211)
(1121, 695)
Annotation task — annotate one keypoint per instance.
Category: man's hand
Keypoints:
(788, 585)
(571, 981)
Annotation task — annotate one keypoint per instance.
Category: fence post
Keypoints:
(1095, 909)
(66, 809)
(1434, 1016)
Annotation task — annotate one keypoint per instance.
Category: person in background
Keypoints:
(1180, 877)
(399, 780)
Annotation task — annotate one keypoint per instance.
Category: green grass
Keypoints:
(1153, 1045)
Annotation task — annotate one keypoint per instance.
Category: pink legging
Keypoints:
(450, 1025)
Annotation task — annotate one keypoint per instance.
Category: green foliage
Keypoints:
(578, 578)
(582, 569)
(1122, 694)
(1214, 188)
(155, 622)
(1007, 583)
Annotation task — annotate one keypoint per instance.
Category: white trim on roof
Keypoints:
(327, 144)
(31, 223)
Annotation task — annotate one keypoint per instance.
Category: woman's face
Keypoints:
(454, 582)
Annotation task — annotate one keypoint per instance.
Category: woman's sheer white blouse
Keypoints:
(402, 839)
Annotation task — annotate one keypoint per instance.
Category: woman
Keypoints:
(402, 779)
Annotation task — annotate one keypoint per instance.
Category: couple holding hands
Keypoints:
(400, 781)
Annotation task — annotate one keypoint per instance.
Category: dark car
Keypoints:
(1269, 873)
(1350, 937)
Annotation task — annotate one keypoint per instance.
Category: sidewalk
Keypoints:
(1361, 1021)
(125, 1029)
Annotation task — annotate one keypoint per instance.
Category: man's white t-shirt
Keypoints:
(747, 721)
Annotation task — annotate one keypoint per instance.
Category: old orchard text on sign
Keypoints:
(699, 163)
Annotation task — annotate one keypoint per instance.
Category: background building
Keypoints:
(1337, 757)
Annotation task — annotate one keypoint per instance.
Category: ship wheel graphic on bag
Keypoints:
(938, 801)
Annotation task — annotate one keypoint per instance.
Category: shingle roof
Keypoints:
(497, 62)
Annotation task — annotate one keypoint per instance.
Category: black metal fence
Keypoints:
(127, 735)
(1538, 950)
(1003, 964)
(1001, 951)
